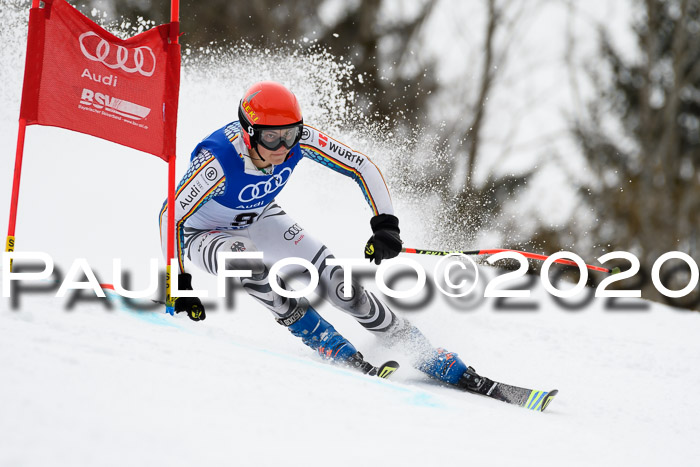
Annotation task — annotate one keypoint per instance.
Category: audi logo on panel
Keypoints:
(143, 60)
(261, 189)
(292, 232)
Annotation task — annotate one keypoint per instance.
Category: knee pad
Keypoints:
(333, 282)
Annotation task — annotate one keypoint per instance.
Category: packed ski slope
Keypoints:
(97, 387)
(91, 386)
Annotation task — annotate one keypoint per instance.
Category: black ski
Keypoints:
(523, 397)
(531, 399)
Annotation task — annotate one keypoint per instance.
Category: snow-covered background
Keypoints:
(91, 386)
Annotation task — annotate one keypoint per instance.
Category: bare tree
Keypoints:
(641, 136)
(380, 50)
(391, 81)
(467, 206)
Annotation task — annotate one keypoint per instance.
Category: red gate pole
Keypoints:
(19, 155)
(174, 37)
(10, 244)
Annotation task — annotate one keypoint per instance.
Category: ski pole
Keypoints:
(494, 251)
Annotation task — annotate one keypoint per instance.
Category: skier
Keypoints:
(226, 202)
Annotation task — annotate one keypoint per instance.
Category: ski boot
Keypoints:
(449, 368)
(321, 336)
(439, 363)
(444, 366)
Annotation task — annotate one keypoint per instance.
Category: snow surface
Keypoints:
(89, 386)
(98, 387)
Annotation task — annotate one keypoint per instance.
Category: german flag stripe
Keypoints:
(346, 168)
(363, 155)
(180, 254)
(183, 185)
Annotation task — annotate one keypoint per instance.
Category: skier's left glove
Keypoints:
(190, 305)
(386, 242)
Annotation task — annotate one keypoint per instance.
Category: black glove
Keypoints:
(385, 243)
(190, 305)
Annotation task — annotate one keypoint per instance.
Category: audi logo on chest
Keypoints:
(261, 189)
(140, 60)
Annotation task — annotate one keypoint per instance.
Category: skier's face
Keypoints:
(275, 157)
(275, 138)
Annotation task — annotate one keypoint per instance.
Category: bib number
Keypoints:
(244, 219)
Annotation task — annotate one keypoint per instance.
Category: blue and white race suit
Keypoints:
(224, 203)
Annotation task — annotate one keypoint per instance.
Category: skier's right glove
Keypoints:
(386, 242)
(190, 305)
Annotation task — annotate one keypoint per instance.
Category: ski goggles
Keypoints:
(275, 138)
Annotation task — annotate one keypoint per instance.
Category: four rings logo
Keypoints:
(97, 49)
(261, 189)
(292, 232)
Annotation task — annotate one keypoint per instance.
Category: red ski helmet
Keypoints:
(268, 105)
